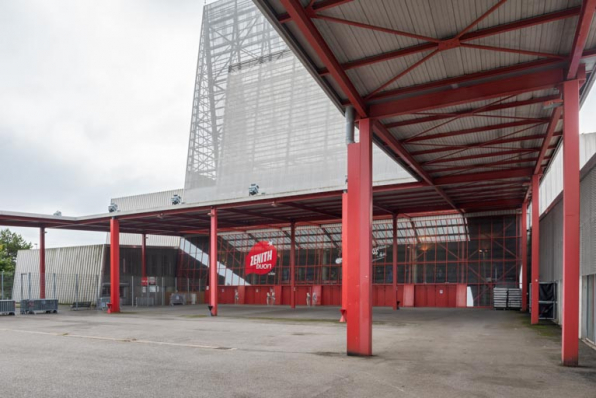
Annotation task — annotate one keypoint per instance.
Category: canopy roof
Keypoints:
(464, 93)
(457, 88)
(413, 199)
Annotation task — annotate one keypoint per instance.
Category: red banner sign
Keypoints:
(261, 258)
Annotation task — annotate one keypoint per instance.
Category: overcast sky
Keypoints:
(95, 102)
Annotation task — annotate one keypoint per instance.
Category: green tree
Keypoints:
(10, 244)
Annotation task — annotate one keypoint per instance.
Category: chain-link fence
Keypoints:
(93, 291)
(6, 282)
(150, 291)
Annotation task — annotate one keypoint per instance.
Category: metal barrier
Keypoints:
(48, 306)
(7, 307)
(177, 299)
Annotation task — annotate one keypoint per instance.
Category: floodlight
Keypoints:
(113, 207)
(176, 199)
(253, 189)
(58, 213)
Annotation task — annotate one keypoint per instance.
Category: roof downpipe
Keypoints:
(349, 125)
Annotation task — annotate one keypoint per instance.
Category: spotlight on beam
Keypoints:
(176, 199)
(113, 207)
(58, 213)
(253, 189)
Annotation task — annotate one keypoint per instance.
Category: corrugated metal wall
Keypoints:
(551, 245)
(588, 224)
(67, 263)
(143, 202)
(551, 233)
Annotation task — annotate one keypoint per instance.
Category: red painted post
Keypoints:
(293, 265)
(524, 256)
(359, 253)
(42, 263)
(394, 295)
(571, 237)
(213, 263)
(114, 265)
(144, 256)
(535, 247)
(344, 257)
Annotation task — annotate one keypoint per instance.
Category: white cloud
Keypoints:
(95, 102)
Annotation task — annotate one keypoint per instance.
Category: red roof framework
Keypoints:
(466, 94)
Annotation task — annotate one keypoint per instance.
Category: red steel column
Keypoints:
(524, 256)
(535, 247)
(293, 265)
(344, 252)
(42, 263)
(359, 253)
(144, 256)
(213, 263)
(394, 295)
(115, 264)
(571, 236)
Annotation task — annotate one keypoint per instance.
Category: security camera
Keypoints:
(253, 189)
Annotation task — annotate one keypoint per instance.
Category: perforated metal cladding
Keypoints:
(260, 118)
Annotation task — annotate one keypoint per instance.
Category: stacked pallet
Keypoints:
(506, 298)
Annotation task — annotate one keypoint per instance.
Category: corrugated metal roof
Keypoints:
(68, 264)
(394, 50)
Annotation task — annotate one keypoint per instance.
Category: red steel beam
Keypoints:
(480, 18)
(213, 282)
(377, 28)
(581, 35)
(474, 130)
(318, 44)
(521, 24)
(394, 263)
(497, 204)
(143, 256)
(505, 87)
(293, 265)
(312, 209)
(524, 256)
(404, 52)
(316, 7)
(571, 223)
(550, 132)
(449, 148)
(496, 30)
(471, 112)
(483, 165)
(114, 265)
(520, 172)
(398, 149)
(344, 257)
(513, 51)
(481, 156)
(42, 263)
(359, 253)
(535, 248)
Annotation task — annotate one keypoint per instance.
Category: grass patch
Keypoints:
(544, 329)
